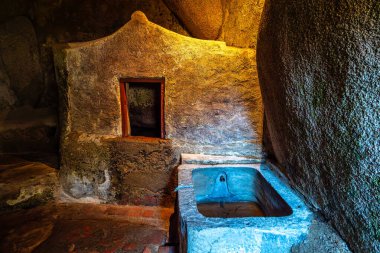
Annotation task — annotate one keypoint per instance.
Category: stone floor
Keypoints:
(33, 220)
(94, 228)
(84, 228)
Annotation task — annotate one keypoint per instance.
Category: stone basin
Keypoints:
(284, 221)
(236, 192)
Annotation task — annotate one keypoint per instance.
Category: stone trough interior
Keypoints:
(240, 190)
(274, 218)
(189, 126)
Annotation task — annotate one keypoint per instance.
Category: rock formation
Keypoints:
(319, 70)
(236, 22)
(241, 22)
(202, 18)
(28, 89)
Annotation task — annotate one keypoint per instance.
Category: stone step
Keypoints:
(148, 215)
(161, 249)
(167, 249)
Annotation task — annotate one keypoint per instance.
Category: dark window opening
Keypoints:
(142, 102)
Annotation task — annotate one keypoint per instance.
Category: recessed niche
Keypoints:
(142, 101)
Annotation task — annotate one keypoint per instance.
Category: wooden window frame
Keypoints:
(126, 126)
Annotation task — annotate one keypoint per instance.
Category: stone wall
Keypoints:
(235, 22)
(45, 23)
(319, 72)
(26, 121)
(28, 89)
(212, 105)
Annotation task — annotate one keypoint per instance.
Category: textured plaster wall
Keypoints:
(319, 70)
(212, 102)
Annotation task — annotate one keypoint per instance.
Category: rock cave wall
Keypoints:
(28, 97)
(29, 29)
(212, 106)
(28, 89)
(235, 22)
(324, 99)
(319, 70)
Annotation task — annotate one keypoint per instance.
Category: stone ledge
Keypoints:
(146, 215)
(213, 159)
(138, 139)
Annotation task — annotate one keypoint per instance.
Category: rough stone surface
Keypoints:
(236, 22)
(320, 76)
(7, 95)
(36, 138)
(28, 130)
(25, 184)
(224, 117)
(13, 8)
(203, 19)
(24, 230)
(241, 22)
(84, 228)
(25, 123)
(128, 171)
(147, 170)
(226, 111)
(70, 20)
(246, 234)
(45, 23)
(86, 171)
(27, 226)
(321, 238)
(21, 61)
(62, 21)
(27, 32)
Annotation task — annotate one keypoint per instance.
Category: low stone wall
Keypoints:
(134, 171)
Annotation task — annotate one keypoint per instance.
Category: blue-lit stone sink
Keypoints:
(273, 219)
(236, 192)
